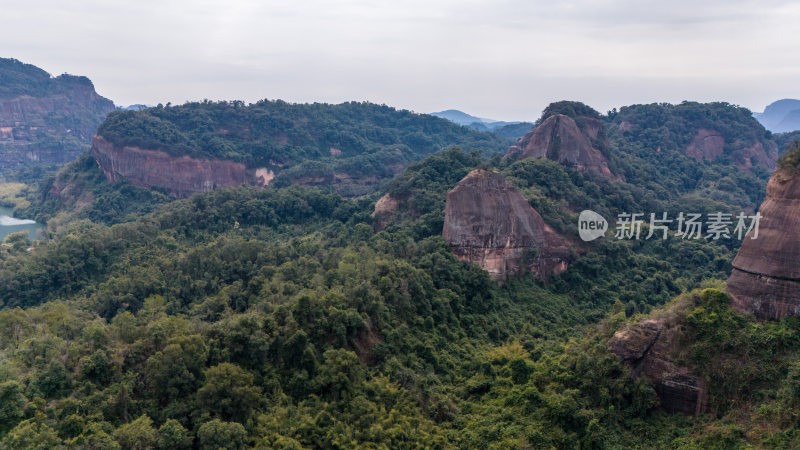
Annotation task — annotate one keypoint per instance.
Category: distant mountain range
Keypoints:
(781, 116)
(482, 124)
(136, 107)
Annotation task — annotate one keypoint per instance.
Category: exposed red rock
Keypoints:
(489, 223)
(757, 154)
(707, 145)
(26, 122)
(559, 138)
(647, 348)
(765, 280)
(180, 176)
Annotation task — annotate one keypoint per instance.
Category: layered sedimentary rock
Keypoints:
(489, 223)
(559, 138)
(647, 348)
(179, 176)
(765, 280)
(44, 119)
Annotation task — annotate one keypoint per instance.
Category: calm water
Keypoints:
(10, 224)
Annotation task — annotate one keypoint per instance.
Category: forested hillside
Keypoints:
(351, 146)
(715, 151)
(290, 317)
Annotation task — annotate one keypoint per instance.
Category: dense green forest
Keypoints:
(652, 149)
(288, 317)
(18, 78)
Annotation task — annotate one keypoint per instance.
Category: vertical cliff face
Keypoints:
(180, 176)
(489, 223)
(559, 138)
(647, 348)
(44, 119)
(765, 280)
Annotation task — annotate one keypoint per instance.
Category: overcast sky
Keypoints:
(502, 59)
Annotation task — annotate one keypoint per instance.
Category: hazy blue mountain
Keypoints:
(781, 116)
(482, 124)
(136, 107)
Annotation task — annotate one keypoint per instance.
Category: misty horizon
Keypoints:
(502, 60)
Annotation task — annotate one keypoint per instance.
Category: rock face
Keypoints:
(44, 119)
(179, 176)
(647, 348)
(489, 223)
(385, 209)
(559, 138)
(706, 145)
(765, 280)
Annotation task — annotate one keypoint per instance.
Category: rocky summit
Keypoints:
(489, 223)
(560, 138)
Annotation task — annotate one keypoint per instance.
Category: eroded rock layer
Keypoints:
(179, 176)
(489, 223)
(765, 280)
(53, 126)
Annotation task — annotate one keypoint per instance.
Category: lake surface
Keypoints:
(9, 224)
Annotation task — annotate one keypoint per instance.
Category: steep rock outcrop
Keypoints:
(559, 138)
(765, 280)
(647, 348)
(44, 119)
(179, 176)
(489, 223)
(385, 209)
(707, 145)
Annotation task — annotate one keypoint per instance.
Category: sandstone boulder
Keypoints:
(647, 348)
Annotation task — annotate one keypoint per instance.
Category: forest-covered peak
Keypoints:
(276, 133)
(18, 78)
(570, 109)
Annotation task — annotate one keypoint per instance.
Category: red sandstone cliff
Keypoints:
(489, 223)
(559, 138)
(180, 176)
(51, 125)
(765, 280)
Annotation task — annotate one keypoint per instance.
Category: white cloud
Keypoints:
(504, 58)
